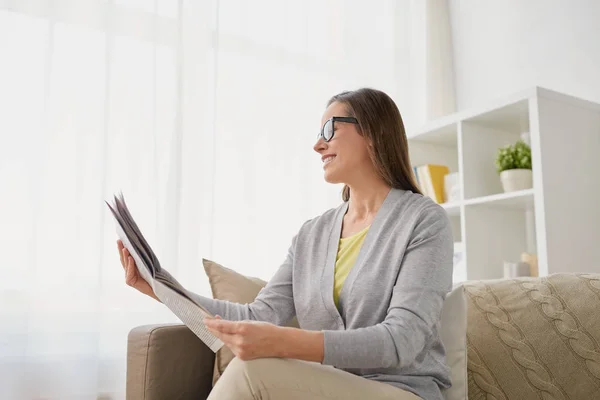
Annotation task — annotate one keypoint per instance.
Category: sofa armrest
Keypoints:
(167, 361)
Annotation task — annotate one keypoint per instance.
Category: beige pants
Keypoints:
(288, 379)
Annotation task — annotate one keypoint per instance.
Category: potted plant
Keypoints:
(513, 163)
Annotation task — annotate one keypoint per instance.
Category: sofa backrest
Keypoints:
(532, 338)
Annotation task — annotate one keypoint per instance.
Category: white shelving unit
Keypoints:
(558, 219)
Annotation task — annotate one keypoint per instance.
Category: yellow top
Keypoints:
(346, 256)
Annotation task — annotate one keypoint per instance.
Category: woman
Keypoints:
(366, 279)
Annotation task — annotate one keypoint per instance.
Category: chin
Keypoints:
(332, 177)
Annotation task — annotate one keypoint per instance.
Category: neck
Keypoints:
(365, 200)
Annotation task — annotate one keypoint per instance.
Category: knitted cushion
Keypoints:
(533, 338)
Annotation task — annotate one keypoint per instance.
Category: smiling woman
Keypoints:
(366, 279)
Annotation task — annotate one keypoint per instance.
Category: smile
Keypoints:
(328, 160)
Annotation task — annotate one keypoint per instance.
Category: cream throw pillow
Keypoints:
(226, 284)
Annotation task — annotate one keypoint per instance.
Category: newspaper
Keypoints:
(165, 286)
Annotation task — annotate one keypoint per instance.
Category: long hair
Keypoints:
(379, 121)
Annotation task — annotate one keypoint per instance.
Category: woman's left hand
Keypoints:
(247, 339)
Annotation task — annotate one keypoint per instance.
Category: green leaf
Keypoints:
(513, 156)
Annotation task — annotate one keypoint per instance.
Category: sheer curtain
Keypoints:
(204, 114)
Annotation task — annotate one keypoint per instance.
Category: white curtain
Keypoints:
(204, 114)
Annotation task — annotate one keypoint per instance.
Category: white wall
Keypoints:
(503, 46)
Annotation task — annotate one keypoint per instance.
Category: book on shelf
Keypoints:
(165, 286)
(430, 178)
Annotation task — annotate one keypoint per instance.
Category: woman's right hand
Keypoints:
(132, 275)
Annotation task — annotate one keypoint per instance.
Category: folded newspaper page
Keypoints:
(165, 287)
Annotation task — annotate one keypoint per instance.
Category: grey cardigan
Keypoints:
(388, 322)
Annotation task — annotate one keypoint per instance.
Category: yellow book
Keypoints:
(434, 178)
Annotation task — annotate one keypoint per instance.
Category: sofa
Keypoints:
(526, 338)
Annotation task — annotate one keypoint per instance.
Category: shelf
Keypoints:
(511, 118)
(453, 208)
(441, 133)
(494, 226)
(520, 200)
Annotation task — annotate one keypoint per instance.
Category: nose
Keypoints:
(320, 145)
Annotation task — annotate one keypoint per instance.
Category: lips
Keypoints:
(328, 159)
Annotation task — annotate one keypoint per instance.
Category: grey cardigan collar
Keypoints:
(327, 277)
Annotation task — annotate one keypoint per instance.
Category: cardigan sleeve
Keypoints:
(274, 303)
(425, 277)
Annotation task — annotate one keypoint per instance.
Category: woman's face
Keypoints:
(346, 154)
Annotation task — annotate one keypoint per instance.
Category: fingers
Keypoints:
(226, 338)
(130, 276)
(221, 325)
(120, 247)
(126, 257)
(218, 334)
(131, 272)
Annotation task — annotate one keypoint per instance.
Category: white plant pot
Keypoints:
(516, 179)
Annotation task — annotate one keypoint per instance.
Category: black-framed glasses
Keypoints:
(328, 128)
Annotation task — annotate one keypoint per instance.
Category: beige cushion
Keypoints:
(226, 284)
(533, 338)
(454, 336)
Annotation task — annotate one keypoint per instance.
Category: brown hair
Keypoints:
(380, 122)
